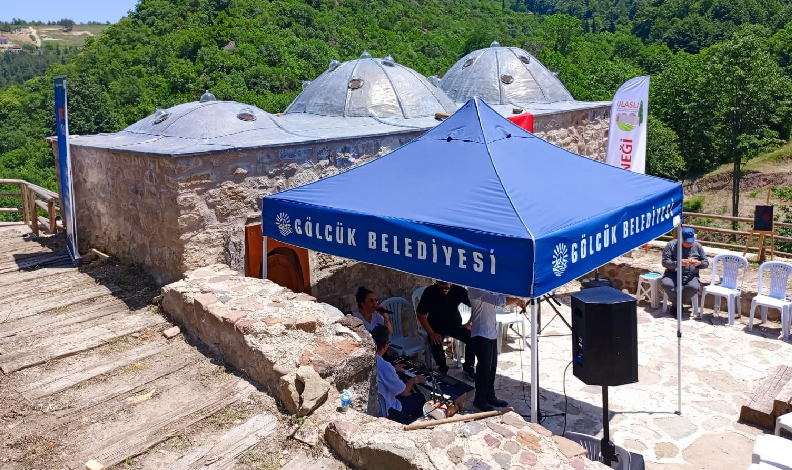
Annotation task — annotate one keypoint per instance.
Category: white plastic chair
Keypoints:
(783, 422)
(777, 294)
(411, 343)
(772, 450)
(416, 297)
(507, 318)
(459, 346)
(731, 284)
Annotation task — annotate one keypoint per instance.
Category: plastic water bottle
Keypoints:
(346, 398)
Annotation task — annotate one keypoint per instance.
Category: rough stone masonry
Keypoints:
(293, 346)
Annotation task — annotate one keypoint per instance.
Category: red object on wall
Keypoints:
(287, 265)
(524, 120)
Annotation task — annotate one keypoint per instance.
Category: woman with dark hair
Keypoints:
(370, 311)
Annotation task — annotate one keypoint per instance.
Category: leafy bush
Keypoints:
(694, 204)
(785, 212)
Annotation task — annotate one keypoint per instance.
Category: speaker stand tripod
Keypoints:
(761, 244)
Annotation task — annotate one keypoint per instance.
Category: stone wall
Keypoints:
(125, 206)
(504, 442)
(171, 215)
(584, 132)
(272, 334)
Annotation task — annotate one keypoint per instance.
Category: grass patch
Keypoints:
(131, 368)
(693, 204)
(227, 417)
(255, 459)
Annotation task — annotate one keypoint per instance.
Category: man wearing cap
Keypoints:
(693, 259)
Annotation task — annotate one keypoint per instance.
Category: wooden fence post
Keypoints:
(23, 192)
(33, 212)
(53, 228)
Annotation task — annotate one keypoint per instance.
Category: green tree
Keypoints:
(662, 151)
(748, 98)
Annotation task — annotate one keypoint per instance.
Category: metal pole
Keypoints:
(264, 258)
(679, 319)
(607, 449)
(534, 365)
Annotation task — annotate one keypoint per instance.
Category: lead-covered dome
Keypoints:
(371, 87)
(505, 76)
(203, 120)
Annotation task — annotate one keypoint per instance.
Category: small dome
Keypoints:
(503, 75)
(207, 120)
(207, 97)
(371, 87)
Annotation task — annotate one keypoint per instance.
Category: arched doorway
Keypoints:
(287, 265)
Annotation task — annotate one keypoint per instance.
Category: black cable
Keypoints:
(565, 397)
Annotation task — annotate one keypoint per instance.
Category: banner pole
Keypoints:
(67, 202)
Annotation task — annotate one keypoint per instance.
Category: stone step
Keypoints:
(759, 409)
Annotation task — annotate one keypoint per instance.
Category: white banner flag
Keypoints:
(627, 135)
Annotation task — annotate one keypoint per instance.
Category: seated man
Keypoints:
(693, 259)
(395, 394)
(370, 311)
(438, 312)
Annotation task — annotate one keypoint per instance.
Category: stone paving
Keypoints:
(720, 367)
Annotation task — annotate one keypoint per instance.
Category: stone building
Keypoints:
(182, 188)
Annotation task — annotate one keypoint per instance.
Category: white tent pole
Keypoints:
(534, 365)
(264, 258)
(679, 319)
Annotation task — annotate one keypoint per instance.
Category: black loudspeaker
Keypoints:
(604, 337)
(763, 218)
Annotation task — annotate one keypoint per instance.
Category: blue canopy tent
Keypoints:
(479, 201)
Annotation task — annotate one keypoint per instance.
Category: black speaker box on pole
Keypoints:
(763, 219)
(604, 337)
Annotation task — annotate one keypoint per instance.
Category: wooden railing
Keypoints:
(32, 198)
(737, 233)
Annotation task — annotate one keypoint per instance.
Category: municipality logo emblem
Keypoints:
(283, 223)
(559, 259)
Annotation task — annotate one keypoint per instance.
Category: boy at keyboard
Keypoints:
(395, 398)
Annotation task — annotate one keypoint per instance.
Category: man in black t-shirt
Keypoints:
(438, 312)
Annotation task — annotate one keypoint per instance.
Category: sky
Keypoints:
(81, 11)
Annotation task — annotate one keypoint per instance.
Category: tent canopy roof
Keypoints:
(479, 176)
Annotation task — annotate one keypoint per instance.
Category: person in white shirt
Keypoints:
(484, 338)
(395, 394)
(370, 311)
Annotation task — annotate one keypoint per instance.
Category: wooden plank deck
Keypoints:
(91, 379)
